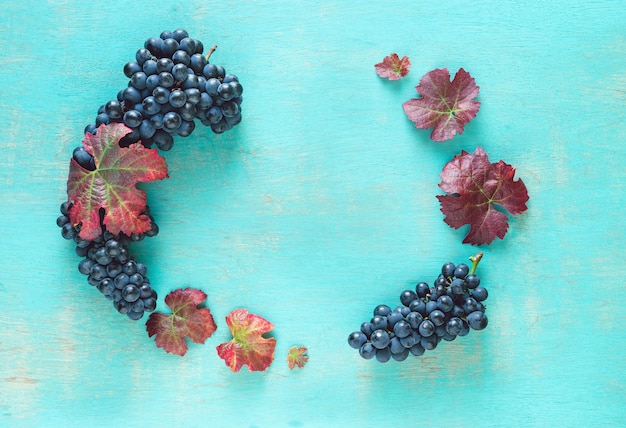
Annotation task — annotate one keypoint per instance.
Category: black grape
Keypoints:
(448, 309)
(110, 269)
(171, 84)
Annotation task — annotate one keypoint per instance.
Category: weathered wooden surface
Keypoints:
(319, 206)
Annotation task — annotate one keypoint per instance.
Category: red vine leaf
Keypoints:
(444, 105)
(475, 186)
(392, 67)
(111, 186)
(186, 320)
(248, 346)
(296, 357)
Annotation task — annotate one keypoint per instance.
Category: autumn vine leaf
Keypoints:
(248, 346)
(446, 106)
(296, 357)
(111, 186)
(392, 67)
(475, 187)
(186, 320)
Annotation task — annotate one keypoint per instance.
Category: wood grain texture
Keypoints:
(318, 207)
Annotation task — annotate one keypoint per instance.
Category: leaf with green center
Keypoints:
(296, 357)
(475, 187)
(186, 320)
(111, 186)
(392, 67)
(248, 346)
(444, 105)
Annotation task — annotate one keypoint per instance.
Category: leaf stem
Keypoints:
(208, 54)
(475, 260)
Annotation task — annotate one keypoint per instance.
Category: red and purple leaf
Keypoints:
(248, 346)
(392, 67)
(111, 186)
(446, 106)
(475, 187)
(296, 357)
(186, 320)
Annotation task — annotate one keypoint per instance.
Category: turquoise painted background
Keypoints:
(319, 206)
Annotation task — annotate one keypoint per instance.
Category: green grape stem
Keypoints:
(208, 54)
(475, 260)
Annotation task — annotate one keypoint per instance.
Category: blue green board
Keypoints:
(320, 205)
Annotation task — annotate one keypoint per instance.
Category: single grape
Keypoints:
(357, 339)
(150, 67)
(229, 109)
(85, 266)
(480, 293)
(114, 109)
(426, 328)
(437, 317)
(454, 326)
(410, 340)
(142, 56)
(461, 271)
(181, 57)
(380, 339)
(378, 322)
(418, 306)
(131, 68)
(402, 329)
(121, 280)
(445, 303)
(138, 80)
(456, 286)
(417, 349)
(382, 310)
(367, 351)
(149, 304)
(477, 320)
(414, 319)
(395, 346)
(429, 343)
(383, 355)
(136, 279)
(366, 329)
(134, 315)
(422, 289)
(407, 297)
(114, 269)
(470, 305)
(401, 356)
(166, 80)
(404, 310)
(84, 159)
(131, 293)
(431, 306)
(393, 318)
(472, 281)
(448, 269)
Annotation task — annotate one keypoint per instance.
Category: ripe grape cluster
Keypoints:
(451, 307)
(109, 267)
(172, 84)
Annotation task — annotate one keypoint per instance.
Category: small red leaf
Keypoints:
(444, 105)
(392, 67)
(474, 186)
(186, 320)
(111, 186)
(296, 357)
(248, 346)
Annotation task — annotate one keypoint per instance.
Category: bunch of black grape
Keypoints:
(449, 308)
(110, 268)
(171, 84)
